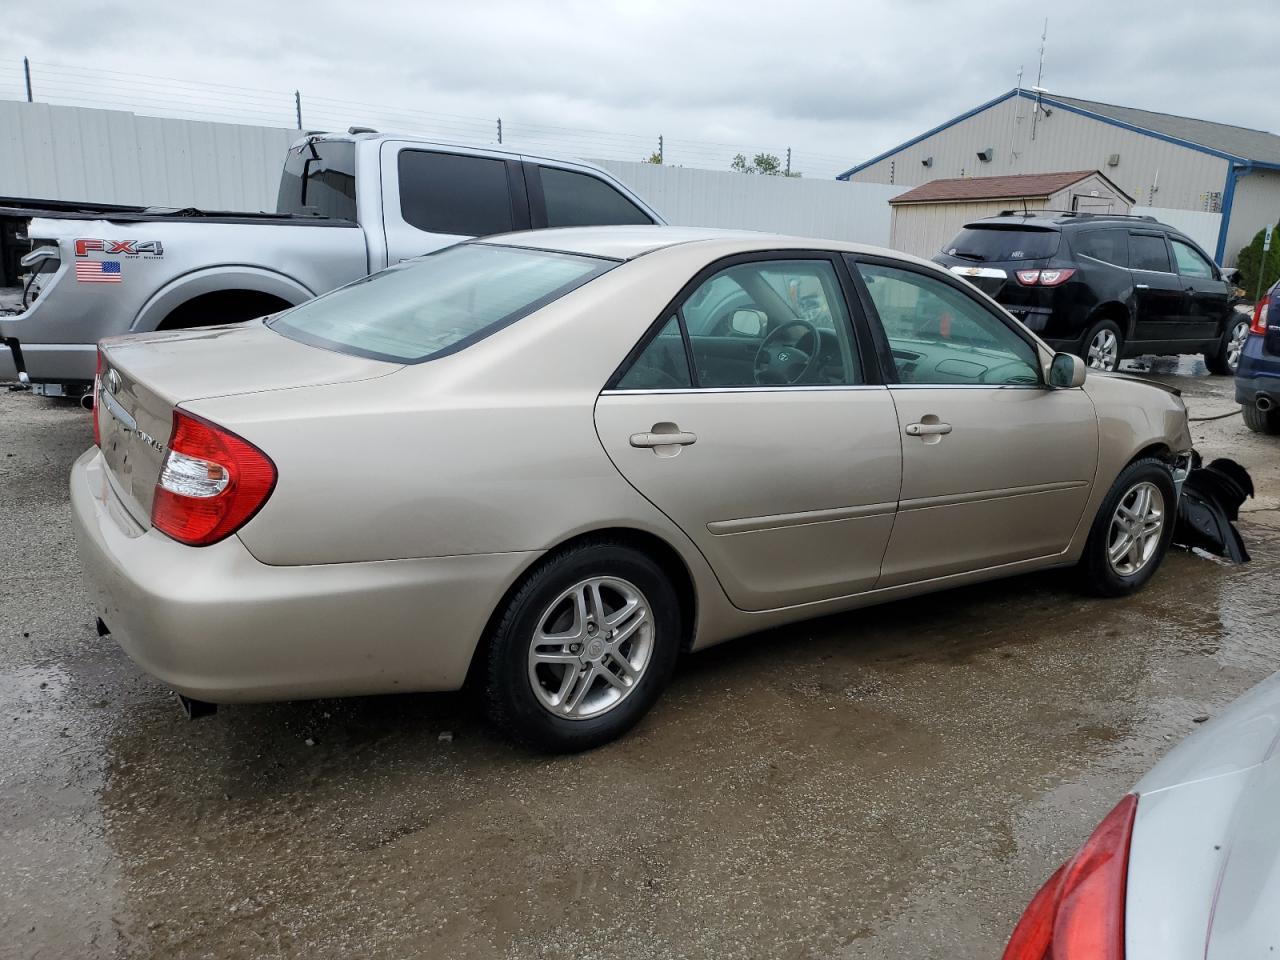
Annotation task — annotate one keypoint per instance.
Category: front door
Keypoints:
(750, 421)
(996, 467)
(1206, 293)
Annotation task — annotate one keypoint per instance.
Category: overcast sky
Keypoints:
(836, 81)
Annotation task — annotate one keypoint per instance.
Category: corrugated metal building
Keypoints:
(926, 217)
(1162, 160)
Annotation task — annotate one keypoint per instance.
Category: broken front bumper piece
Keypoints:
(1209, 505)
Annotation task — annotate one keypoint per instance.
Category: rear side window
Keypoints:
(454, 194)
(437, 304)
(662, 365)
(983, 243)
(1109, 246)
(319, 180)
(1148, 252)
(581, 200)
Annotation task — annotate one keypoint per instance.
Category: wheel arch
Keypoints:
(244, 279)
(1115, 311)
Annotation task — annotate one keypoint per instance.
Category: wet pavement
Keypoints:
(894, 782)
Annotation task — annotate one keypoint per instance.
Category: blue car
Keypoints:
(1258, 373)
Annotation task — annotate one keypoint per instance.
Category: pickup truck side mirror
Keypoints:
(1066, 371)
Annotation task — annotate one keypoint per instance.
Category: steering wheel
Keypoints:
(787, 363)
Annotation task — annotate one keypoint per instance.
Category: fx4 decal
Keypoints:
(120, 248)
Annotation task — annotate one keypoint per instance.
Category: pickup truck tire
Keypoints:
(222, 306)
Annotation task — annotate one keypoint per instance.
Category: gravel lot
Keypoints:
(894, 782)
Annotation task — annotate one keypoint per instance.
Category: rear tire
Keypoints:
(1102, 345)
(577, 690)
(1226, 358)
(1114, 530)
(1260, 421)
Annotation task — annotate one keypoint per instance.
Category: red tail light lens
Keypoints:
(212, 482)
(1044, 278)
(1079, 913)
(97, 394)
(1259, 324)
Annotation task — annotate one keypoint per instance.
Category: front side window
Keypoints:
(437, 304)
(1148, 252)
(454, 194)
(581, 200)
(1190, 262)
(1109, 246)
(1002, 243)
(939, 335)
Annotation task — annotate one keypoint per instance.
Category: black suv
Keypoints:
(1103, 286)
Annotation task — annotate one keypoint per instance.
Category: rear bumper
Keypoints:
(1258, 373)
(216, 624)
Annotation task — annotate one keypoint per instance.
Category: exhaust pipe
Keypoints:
(86, 400)
(1264, 402)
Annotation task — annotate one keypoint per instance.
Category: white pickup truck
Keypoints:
(349, 204)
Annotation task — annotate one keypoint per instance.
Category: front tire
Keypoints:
(1224, 360)
(1131, 531)
(1260, 421)
(1102, 345)
(583, 648)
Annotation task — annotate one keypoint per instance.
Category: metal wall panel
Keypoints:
(1257, 203)
(1199, 226)
(832, 209)
(110, 156)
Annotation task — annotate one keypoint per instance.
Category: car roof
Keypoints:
(1059, 219)
(629, 242)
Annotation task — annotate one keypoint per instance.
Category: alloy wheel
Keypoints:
(591, 648)
(1235, 346)
(1104, 351)
(1136, 527)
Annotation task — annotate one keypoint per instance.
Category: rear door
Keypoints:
(996, 467)
(433, 197)
(1159, 300)
(753, 417)
(1206, 293)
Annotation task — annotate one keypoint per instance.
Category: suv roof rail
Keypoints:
(1079, 213)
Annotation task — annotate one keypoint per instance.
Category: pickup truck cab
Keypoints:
(349, 205)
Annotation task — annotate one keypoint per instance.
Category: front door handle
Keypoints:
(927, 429)
(1142, 286)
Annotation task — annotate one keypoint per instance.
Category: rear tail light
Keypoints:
(1044, 278)
(1079, 913)
(1259, 324)
(211, 483)
(97, 397)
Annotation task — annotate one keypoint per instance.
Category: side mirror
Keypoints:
(747, 323)
(1066, 371)
(1230, 274)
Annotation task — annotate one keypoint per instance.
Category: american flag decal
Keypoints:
(98, 271)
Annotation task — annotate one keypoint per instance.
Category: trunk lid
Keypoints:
(143, 378)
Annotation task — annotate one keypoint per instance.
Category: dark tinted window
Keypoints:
(319, 179)
(1147, 252)
(1111, 246)
(579, 200)
(979, 243)
(448, 193)
(662, 365)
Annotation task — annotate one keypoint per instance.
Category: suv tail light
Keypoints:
(1044, 278)
(211, 483)
(1079, 913)
(1259, 324)
(97, 397)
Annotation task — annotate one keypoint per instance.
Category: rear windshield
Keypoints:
(981, 244)
(319, 180)
(437, 304)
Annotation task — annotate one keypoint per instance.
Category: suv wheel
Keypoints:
(1102, 345)
(1226, 358)
(1260, 421)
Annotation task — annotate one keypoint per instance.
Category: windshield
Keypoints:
(981, 243)
(319, 180)
(438, 304)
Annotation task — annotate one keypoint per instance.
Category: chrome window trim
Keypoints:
(781, 388)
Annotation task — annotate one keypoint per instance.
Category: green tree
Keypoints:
(1253, 267)
(654, 157)
(765, 164)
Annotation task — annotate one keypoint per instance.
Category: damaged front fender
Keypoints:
(1210, 504)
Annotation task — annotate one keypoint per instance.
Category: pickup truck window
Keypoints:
(454, 194)
(438, 304)
(319, 179)
(581, 200)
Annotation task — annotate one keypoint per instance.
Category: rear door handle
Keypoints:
(678, 439)
(927, 429)
(1142, 286)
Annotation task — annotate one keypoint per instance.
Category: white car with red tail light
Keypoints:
(1187, 865)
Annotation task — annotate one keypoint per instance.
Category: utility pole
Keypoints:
(499, 129)
(788, 161)
(297, 107)
(1035, 113)
(26, 69)
(661, 157)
